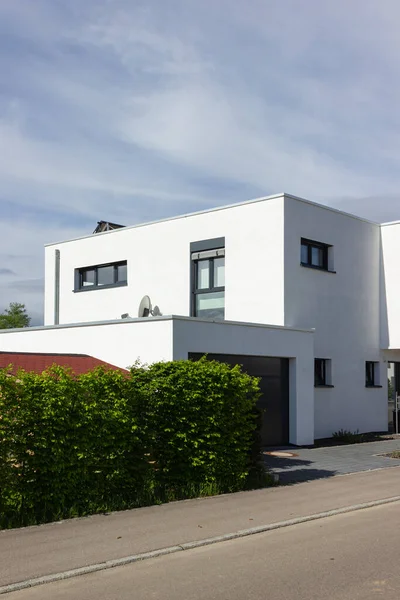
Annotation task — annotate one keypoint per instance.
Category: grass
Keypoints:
(394, 454)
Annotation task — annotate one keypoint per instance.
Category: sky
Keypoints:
(132, 111)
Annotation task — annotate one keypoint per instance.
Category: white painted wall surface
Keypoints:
(390, 318)
(120, 343)
(158, 258)
(344, 309)
(192, 335)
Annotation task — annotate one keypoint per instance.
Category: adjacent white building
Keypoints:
(302, 295)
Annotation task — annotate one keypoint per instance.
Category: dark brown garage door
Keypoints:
(274, 384)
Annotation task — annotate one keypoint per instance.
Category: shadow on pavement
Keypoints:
(294, 470)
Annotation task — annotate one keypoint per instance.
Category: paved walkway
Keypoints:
(52, 548)
(316, 463)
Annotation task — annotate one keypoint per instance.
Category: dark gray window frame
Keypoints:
(202, 246)
(370, 377)
(79, 271)
(310, 244)
(323, 363)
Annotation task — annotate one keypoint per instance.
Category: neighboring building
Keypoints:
(310, 289)
(38, 362)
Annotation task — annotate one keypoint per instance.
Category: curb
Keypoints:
(118, 562)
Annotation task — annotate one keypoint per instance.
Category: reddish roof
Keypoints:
(38, 362)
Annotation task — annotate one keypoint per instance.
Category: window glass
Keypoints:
(122, 272)
(319, 372)
(317, 259)
(369, 373)
(219, 272)
(211, 305)
(88, 277)
(105, 275)
(304, 254)
(203, 274)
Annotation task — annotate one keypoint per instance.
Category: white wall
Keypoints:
(120, 343)
(158, 258)
(390, 319)
(192, 335)
(344, 309)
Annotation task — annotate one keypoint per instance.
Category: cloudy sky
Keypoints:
(131, 110)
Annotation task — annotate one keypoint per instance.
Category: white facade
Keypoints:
(350, 304)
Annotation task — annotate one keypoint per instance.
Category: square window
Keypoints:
(316, 255)
(88, 277)
(105, 275)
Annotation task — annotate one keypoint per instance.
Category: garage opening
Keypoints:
(274, 384)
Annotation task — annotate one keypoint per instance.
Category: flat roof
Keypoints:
(215, 209)
(133, 320)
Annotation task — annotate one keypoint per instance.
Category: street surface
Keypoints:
(347, 557)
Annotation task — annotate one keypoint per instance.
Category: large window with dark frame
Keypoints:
(101, 276)
(208, 284)
(314, 254)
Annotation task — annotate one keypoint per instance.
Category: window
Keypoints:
(314, 254)
(101, 276)
(208, 279)
(322, 372)
(372, 374)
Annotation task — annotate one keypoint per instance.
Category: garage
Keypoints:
(274, 384)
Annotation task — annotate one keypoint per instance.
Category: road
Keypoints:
(348, 557)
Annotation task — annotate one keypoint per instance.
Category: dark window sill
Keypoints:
(325, 385)
(91, 288)
(307, 266)
(373, 386)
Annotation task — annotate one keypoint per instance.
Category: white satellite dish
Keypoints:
(145, 308)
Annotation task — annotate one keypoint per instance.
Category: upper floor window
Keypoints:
(322, 372)
(208, 279)
(315, 254)
(101, 276)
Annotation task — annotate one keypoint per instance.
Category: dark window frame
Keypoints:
(78, 287)
(322, 373)
(215, 244)
(371, 380)
(310, 244)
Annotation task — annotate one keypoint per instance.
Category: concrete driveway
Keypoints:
(305, 464)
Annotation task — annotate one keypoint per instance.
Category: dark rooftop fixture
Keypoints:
(106, 226)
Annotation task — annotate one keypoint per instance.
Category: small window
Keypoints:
(314, 254)
(372, 373)
(101, 276)
(322, 372)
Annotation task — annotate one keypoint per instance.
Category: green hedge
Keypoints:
(108, 440)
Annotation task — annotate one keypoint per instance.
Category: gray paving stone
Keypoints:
(316, 463)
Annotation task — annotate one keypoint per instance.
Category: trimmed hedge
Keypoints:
(107, 440)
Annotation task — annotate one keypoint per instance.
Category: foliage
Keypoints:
(14, 316)
(348, 437)
(108, 440)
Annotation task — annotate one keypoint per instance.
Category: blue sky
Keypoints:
(131, 111)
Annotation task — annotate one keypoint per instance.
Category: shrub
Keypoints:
(107, 440)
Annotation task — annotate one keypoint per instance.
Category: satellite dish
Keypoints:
(145, 308)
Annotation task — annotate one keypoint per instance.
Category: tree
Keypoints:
(14, 316)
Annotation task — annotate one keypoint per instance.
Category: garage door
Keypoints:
(274, 384)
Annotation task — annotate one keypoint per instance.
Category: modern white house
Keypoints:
(302, 295)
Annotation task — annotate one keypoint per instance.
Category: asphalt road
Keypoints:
(348, 557)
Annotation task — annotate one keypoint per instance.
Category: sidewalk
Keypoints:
(52, 548)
